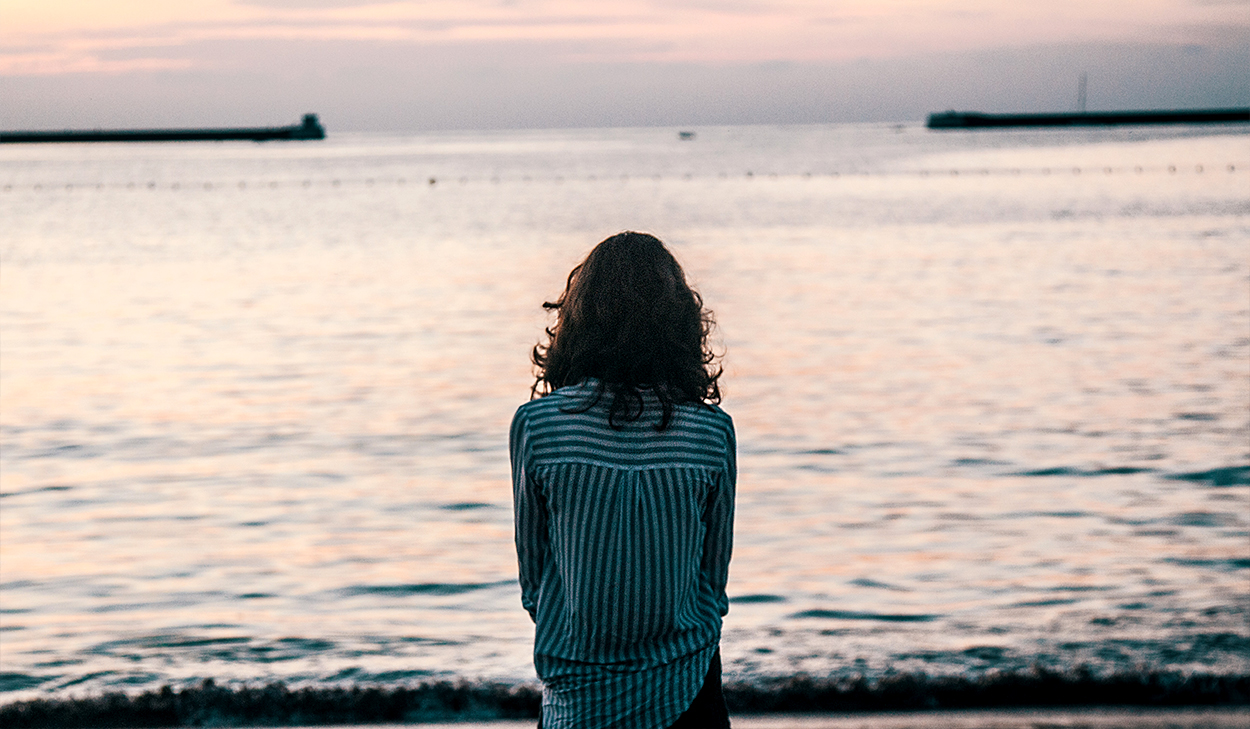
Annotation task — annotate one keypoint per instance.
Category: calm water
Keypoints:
(992, 393)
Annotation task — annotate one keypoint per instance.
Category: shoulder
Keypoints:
(552, 404)
(705, 416)
(549, 411)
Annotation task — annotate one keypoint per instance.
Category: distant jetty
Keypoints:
(309, 128)
(978, 120)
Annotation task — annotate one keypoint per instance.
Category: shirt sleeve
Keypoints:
(529, 516)
(718, 516)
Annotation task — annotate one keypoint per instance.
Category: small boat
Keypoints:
(685, 136)
(309, 128)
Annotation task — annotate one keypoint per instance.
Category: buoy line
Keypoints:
(434, 182)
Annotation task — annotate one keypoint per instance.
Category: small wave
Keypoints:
(856, 615)
(1084, 473)
(1229, 476)
(466, 506)
(1199, 417)
(40, 489)
(752, 599)
(985, 652)
(1219, 564)
(362, 676)
(305, 645)
(173, 640)
(424, 588)
(1046, 603)
(978, 462)
(21, 682)
(1203, 519)
(865, 582)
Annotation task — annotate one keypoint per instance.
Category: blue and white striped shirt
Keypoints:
(623, 539)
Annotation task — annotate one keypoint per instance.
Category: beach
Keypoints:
(1195, 718)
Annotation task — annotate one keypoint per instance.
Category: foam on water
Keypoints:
(990, 391)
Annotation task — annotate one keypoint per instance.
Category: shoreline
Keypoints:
(464, 703)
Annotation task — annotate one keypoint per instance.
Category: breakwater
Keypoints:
(309, 128)
(974, 119)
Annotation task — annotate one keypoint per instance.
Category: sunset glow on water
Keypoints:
(990, 389)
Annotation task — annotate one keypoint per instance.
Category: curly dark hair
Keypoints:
(628, 318)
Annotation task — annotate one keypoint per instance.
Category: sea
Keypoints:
(991, 390)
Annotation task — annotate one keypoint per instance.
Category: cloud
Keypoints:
(486, 63)
(356, 85)
(644, 31)
(314, 4)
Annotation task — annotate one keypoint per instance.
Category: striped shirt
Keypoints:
(623, 540)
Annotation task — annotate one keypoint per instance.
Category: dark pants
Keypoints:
(708, 710)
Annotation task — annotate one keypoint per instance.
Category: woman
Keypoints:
(623, 472)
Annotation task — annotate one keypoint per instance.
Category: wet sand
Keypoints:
(1113, 718)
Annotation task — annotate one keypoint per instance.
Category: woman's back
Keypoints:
(638, 527)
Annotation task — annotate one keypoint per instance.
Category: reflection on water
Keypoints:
(255, 428)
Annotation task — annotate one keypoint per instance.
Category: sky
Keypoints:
(412, 65)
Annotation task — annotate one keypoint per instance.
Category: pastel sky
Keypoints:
(501, 63)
